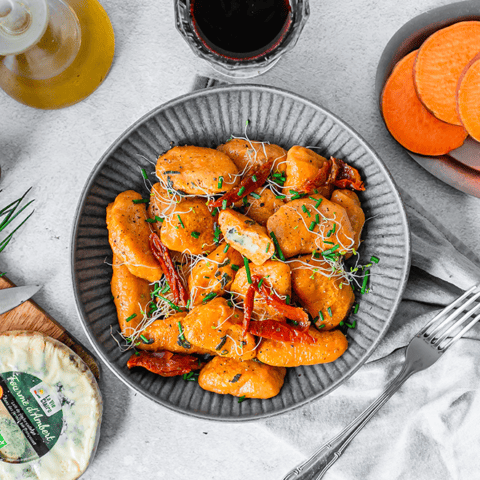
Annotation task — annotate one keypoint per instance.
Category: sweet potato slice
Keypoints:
(439, 64)
(409, 122)
(468, 98)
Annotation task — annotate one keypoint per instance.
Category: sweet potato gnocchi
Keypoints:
(233, 268)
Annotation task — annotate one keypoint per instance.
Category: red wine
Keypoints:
(241, 29)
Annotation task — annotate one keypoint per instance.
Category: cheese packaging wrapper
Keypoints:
(50, 409)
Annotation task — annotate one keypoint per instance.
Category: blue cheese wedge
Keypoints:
(50, 409)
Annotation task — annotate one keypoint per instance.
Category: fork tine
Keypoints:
(431, 334)
(459, 334)
(447, 309)
(456, 324)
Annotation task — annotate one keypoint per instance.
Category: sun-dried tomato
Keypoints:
(248, 308)
(246, 186)
(347, 176)
(272, 299)
(282, 332)
(335, 172)
(166, 364)
(162, 254)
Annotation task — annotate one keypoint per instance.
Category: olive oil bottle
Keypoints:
(53, 53)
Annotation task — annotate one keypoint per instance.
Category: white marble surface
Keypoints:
(333, 64)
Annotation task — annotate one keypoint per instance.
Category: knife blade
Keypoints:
(15, 296)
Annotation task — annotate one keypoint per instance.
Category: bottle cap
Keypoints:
(21, 24)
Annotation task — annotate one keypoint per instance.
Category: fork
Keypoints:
(425, 348)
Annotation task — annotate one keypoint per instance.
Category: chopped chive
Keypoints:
(214, 211)
(255, 195)
(305, 209)
(247, 269)
(245, 202)
(254, 178)
(317, 218)
(296, 197)
(342, 323)
(145, 339)
(144, 174)
(227, 246)
(195, 234)
(277, 246)
(224, 204)
(354, 323)
(320, 314)
(151, 220)
(332, 231)
(280, 197)
(188, 303)
(180, 329)
(374, 259)
(329, 310)
(312, 226)
(295, 227)
(209, 297)
(268, 247)
(320, 326)
(313, 198)
(131, 317)
(140, 200)
(331, 250)
(158, 219)
(365, 281)
(287, 300)
(180, 220)
(329, 243)
(241, 399)
(294, 192)
(355, 309)
(165, 289)
(260, 283)
(220, 182)
(354, 251)
(235, 268)
(240, 192)
(319, 201)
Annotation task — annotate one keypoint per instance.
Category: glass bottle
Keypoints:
(53, 53)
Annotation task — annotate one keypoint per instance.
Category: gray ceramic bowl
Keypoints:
(207, 118)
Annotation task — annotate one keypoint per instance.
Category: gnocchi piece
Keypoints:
(166, 336)
(196, 170)
(217, 327)
(303, 164)
(131, 296)
(262, 208)
(213, 274)
(247, 153)
(312, 223)
(277, 274)
(246, 236)
(128, 233)
(190, 227)
(350, 202)
(317, 292)
(327, 348)
(248, 379)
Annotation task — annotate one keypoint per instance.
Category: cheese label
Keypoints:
(31, 417)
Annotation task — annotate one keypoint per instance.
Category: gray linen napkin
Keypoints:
(429, 430)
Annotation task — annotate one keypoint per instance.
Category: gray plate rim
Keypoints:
(197, 94)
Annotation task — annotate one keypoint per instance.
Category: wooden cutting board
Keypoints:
(29, 316)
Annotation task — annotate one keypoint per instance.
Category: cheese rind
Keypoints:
(75, 399)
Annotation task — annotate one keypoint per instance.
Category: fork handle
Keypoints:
(317, 465)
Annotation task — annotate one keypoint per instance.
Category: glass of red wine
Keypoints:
(241, 38)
